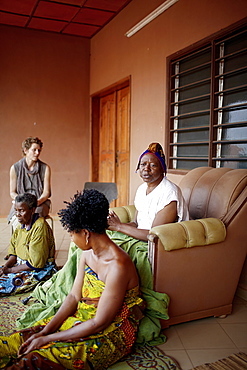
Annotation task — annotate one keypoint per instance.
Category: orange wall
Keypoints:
(143, 56)
(44, 92)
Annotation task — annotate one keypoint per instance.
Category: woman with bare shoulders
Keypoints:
(97, 323)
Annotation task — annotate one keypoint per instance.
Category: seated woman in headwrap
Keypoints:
(31, 251)
(158, 201)
(97, 323)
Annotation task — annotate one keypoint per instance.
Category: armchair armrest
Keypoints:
(125, 213)
(188, 234)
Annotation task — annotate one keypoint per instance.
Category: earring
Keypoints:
(87, 237)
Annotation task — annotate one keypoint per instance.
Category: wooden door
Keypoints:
(112, 136)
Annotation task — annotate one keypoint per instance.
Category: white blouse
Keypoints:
(148, 205)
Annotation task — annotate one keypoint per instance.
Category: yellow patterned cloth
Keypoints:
(98, 351)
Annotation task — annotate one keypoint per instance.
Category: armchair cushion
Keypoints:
(125, 213)
(192, 233)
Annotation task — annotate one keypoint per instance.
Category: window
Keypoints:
(208, 104)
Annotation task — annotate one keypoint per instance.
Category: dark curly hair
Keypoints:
(29, 199)
(87, 210)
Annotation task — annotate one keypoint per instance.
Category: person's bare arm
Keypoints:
(9, 267)
(13, 183)
(129, 228)
(6, 269)
(167, 215)
(126, 228)
(47, 186)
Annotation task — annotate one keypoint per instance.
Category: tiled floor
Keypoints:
(191, 344)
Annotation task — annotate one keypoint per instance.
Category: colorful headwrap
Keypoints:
(155, 149)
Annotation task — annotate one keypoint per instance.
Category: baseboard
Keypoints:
(241, 293)
(215, 311)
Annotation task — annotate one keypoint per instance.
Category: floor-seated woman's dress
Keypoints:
(98, 351)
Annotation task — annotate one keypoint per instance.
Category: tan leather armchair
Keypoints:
(198, 262)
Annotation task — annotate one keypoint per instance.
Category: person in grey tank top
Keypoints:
(31, 175)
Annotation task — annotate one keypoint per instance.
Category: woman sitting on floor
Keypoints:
(97, 323)
(31, 251)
